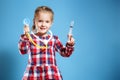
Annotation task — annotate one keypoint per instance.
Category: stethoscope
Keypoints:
(26, 22)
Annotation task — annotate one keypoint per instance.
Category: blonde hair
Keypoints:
(42, 9)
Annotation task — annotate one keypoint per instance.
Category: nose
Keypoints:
(43, 24)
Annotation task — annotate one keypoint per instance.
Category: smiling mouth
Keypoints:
(42, 28)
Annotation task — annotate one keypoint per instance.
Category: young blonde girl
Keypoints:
(42, 63)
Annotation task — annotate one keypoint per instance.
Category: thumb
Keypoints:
(26, 29)
(69, 37)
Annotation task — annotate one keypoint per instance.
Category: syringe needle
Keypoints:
(72, 23)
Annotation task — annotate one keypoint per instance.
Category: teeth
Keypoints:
(42, 28)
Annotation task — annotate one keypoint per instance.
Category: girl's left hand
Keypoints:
(71, 40)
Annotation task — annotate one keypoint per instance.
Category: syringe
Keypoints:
(70, 31)
(71, 27)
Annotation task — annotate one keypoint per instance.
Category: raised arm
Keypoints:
(23, 44)
(66, 50)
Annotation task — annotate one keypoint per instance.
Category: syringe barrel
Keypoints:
(70, 30)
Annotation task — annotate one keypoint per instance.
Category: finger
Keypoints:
(71, 43)
(26, 26)
(26, 29)
(72, 40)
(69, 37)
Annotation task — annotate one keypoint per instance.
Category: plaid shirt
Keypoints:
(42, 63)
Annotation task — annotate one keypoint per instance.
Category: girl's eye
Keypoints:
(47, 21)
(39, 20)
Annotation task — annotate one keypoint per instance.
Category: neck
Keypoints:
(42, 35)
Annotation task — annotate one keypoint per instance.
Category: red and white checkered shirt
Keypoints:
(42, 63)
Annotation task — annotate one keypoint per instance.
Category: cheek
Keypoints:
(49, 25)
(38, 24)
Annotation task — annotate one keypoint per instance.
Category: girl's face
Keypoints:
(43, 22)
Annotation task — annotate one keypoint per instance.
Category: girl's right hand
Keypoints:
(26, 29)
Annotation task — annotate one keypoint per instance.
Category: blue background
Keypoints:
(96, 32)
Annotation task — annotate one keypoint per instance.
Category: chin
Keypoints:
(42, 32)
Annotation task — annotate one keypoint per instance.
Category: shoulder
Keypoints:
(32, 36)
(55, 36)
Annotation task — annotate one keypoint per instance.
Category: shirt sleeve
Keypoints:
(23, 44)
(64, 51)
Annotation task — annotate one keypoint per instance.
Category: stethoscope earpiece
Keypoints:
(26, 21)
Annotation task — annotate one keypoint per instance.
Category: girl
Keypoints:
(42, 47)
